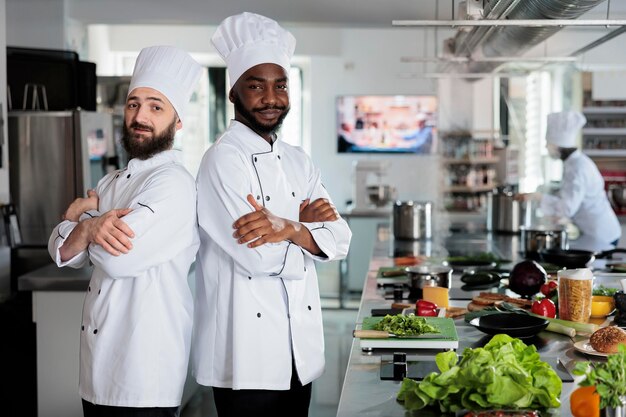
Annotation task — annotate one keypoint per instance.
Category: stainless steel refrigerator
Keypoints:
(54, 157)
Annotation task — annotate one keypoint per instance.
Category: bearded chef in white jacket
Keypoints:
(264, 219)
(139, 230)
(582, 197)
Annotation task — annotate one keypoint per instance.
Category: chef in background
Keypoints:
(264, 218)
(139, 231)
(582, 197)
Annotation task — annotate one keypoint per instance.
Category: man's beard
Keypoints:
(146, 149)
(254, 124)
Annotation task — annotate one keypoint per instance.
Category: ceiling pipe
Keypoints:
(526, 23)
(600, 41)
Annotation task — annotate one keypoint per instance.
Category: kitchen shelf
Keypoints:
(616, 131)
(605, 110)
(606, 153)
(471, 161)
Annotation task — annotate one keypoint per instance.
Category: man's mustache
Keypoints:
(270, 108)
(136, 125)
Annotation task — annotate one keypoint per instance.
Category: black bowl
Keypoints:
(515, 325)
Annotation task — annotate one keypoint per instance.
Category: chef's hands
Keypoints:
(263, 226)
(81, 205)
(527, 197)
(266, 227)
(110, 232)
(321, 210)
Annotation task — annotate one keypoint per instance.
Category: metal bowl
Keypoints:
(380, 195)
(427, 276)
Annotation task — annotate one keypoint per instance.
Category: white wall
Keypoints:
(36, 23)
(368, 63)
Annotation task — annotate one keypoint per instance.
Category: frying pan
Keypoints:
(575, 258)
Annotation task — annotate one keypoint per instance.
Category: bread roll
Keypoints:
(607, 339)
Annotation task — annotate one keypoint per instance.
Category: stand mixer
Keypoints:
(368, 192)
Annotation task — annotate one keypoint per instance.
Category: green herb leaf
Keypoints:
(608, 377)
(405, 325)
(602, 290)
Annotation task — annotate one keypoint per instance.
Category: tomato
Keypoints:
(544, 307)
(548, 288)
(425, 304)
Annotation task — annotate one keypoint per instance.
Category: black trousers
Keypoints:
(257, 402)
(95, 410)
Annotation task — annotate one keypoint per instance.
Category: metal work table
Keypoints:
(53, 278)
(364, 394)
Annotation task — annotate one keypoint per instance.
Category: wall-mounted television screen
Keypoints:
(398, 124)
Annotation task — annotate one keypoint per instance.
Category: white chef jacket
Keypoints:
(256, 307)
(136, 328)
(582, 198)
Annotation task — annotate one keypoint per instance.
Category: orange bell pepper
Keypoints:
(585, 402)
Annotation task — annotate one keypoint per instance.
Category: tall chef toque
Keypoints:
(563, 127)
(170, 71)
(249, 39)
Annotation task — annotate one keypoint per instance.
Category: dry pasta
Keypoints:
(575, 299)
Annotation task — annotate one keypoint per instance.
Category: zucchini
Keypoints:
(480, 278)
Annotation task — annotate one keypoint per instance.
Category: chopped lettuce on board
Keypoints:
(504, 374)
(405, 325)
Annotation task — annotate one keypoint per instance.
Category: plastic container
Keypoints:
(575, 294)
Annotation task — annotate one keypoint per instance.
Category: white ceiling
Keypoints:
(349, 13)
(345, 13)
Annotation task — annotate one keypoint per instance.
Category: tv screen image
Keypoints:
(400, 123)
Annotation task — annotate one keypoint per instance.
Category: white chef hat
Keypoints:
(249, 39)
(170, 71)
(563, 127)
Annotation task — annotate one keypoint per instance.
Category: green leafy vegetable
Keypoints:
(608, 377)
(602, 290)
(403, 325)
(506, 373)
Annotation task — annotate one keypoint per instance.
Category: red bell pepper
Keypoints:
(425, 304)
(544, 307)
(426, 312)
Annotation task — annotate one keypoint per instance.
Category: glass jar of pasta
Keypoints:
(575, 292)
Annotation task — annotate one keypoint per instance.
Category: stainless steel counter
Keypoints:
(53, 278)
(364, 394)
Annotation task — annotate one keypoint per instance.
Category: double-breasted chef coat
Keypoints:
(256, 308)
(135, 335)
(582, 198)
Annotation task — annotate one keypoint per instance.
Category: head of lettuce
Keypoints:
(505, 373)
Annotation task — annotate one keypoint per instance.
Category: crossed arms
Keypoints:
(254, 229)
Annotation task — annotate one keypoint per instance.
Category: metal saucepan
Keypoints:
(427, 276)
(535, 240)
(412, 220)
(575, 258)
